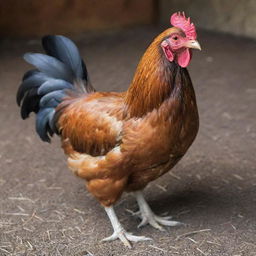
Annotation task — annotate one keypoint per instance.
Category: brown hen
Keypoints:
(117, 141)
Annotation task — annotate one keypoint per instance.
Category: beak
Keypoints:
(193, 44)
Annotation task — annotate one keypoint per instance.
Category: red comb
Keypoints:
(179, 20)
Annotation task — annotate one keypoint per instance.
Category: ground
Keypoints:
(45, 209)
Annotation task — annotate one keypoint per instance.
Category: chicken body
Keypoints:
(115, 141)
(116, 153)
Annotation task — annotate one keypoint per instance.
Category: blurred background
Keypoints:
(45, 210)
(36, 18)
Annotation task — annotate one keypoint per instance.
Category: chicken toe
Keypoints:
(148, 216)
(119, 231)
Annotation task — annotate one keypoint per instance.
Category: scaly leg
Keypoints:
(119, 231)
(148, 217)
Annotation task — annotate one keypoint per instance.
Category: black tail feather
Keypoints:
(29, 73)
(56, 74)
(32, 80)
(52, 85)
(42, 123)
(30, 103)
(50, 66)
(65, 50)
(52, 99)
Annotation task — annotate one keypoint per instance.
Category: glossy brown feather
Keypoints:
(91, 122)
(119, 142)
(152, 82)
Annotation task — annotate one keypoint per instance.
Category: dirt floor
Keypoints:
(44, 208)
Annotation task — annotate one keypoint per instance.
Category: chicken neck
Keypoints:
(155, 80)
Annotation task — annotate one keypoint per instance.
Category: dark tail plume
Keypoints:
(57, 74)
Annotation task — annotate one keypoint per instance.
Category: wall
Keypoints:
(23, 18)
(232, 16)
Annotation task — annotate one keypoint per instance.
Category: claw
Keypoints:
(126, 238)
(110, 238)
(166, 222)
(143, 223)
(152, 222)
(166, 217)
(148, 217)
(119, 231)
(137, 213)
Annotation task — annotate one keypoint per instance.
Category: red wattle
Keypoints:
(184, 58)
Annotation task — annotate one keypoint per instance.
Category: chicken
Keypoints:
(117, 142)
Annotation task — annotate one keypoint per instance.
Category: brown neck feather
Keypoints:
(154, 81)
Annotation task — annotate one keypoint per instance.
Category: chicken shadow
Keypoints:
(202, 200)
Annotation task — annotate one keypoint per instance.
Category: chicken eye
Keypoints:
(175, 38)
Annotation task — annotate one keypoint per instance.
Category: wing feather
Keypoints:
(92, 125)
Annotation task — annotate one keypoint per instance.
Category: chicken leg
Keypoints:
(148, 216)
(119, 231)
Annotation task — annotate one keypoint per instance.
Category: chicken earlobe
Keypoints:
(119, 231)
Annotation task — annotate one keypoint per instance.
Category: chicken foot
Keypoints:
(148, 216)
(120, 232)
